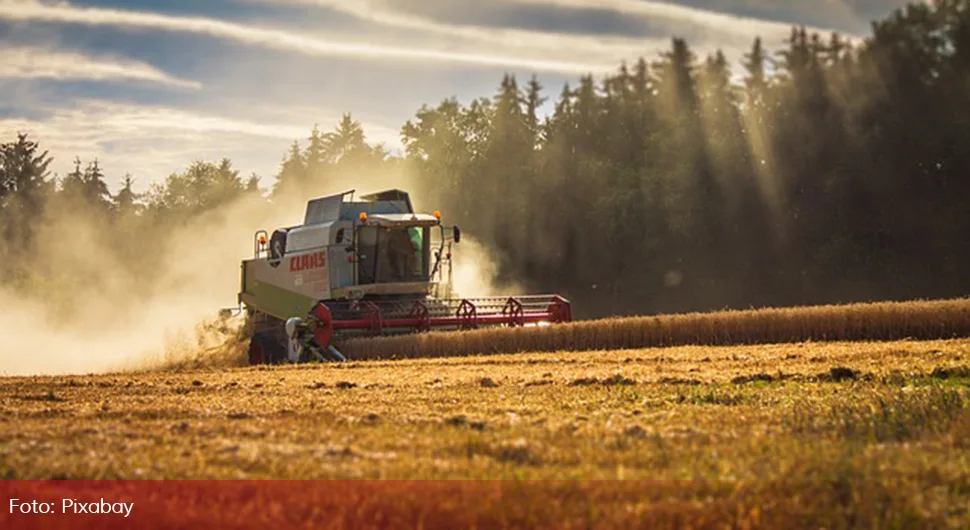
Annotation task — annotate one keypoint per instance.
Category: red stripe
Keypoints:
(529, 318)
(369, 504)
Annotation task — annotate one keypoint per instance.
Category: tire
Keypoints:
(277, 247)
(265, 349)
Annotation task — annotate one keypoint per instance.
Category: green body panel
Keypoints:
(271, 299)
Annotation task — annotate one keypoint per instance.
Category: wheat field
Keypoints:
(801, 435)
(925, 320)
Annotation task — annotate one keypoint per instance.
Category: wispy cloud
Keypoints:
(852, 16)
(706, 29)
(669, 19)
(280, 39)
(43, 63)
(152, 141)
(598, 49)
(747, 27)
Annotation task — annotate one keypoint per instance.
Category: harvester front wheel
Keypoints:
(265, 349)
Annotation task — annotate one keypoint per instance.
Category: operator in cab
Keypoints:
(403, 254)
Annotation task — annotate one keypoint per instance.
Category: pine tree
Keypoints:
(226, 185)
(252, 185)
(754, 64)
(126, 200)
(346, 141)
(318, 156)
(24, 188)
(292, 175)
(24, 173)
(96, 191)
(507, 163)
(675, 77)
(534, 100)
(72, 186)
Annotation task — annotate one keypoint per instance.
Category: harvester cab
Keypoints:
(364, 267)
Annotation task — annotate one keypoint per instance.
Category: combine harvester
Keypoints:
(364, 268)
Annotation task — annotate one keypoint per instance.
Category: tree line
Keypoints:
(824, 171)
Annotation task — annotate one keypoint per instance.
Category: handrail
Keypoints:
(260, 244)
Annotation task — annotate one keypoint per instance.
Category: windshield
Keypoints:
(402, 256)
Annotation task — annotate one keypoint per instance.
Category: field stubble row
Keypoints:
(882, 321)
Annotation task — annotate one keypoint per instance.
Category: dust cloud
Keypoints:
(476, 272)
(102, 308)
(149, 299)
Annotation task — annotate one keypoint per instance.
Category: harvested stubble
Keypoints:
(921, 320)
(822, 435)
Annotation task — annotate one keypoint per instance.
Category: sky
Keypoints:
(149, 86)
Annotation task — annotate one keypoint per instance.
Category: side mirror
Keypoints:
(456, 233)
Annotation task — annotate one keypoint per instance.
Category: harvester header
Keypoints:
(364, 267)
